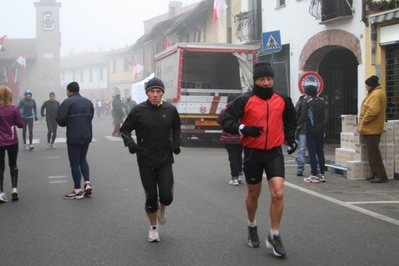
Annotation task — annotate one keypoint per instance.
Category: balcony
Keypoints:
(248, 26)
(331, 10)
(335, 10)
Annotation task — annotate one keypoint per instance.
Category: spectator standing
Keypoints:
(51, 107)
(10, 117)
(264, 118)
(233, 145)
(313, 118)
(301, 137)
(99, 108)
(157, 127)
(119, 115)
(372, 118)
(129, 104)
(106, 104)
(28, 109)
(76, 114)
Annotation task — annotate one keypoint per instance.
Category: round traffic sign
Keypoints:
(310, 78)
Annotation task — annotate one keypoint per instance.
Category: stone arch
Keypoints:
(322, 43)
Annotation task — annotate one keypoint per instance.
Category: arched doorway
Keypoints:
(338, 68)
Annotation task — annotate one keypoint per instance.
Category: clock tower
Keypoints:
(46, 73)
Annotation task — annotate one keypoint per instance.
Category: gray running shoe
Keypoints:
(253, 239)
(276, 244)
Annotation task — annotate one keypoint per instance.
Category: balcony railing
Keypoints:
(330, 10)
(337, 9)
(248, 26)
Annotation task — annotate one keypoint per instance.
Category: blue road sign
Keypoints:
(271, 41)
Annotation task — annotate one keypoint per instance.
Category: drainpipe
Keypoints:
(364, 19)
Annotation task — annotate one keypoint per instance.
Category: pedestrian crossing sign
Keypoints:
(271, 41)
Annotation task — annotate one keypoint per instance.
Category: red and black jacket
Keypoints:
(276, 115)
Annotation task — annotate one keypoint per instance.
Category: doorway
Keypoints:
(338, 69)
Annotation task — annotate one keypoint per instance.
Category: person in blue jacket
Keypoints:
(76, 114)
(27, 107)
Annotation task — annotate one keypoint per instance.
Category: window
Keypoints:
(101, 74)
(91, 74)
(280, 3)
(114, 66)
(81, 75)
(126, 64)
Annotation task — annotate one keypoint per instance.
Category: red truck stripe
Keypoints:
(214, 106)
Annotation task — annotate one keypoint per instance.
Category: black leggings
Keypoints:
(12, 151)
(29, 123)
(153, 177)
(51, 130)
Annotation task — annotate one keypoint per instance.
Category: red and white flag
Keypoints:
(136, 69)
(2, 41)
(219, 9)
(167, 42)
(22, 61)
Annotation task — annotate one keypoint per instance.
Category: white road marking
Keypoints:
(372, 202)
(58, 181)
(57, 176)
(344, 204)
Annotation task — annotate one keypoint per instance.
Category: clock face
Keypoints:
(48, 22)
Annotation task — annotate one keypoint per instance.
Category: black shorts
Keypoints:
(256, 161)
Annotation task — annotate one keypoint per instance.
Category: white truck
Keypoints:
(198, 77)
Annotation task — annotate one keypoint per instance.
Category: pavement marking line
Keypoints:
(58, 181)
(372, 202)
(111, 138)
(57, 176)
(53, 157)
(63, 140)
(344, 204)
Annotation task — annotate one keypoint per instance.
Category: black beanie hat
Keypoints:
(262, 69)
(372, 81)
(311, 90)
(154, 83)
(73, 87)
(51, 93)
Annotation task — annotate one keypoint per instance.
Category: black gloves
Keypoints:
(36, 118)
(292, 148)
(252, 131)
(133, 148)
(176, 148)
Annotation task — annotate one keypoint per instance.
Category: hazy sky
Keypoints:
(86, 25)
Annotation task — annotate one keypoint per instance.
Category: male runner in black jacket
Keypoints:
(157, 127)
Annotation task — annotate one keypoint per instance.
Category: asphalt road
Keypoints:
(340, 222)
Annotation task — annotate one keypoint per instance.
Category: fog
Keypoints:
(86, 25)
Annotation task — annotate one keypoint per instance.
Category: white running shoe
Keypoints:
(311, 179)
(26, 146)
(53, 146)
(162, 214)
(3, 198)
(321, 178)
(14, 194)
(240, 179)
(231, 182)
(48, 145)
(153, 235)
(235, 182)
(31, 147)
